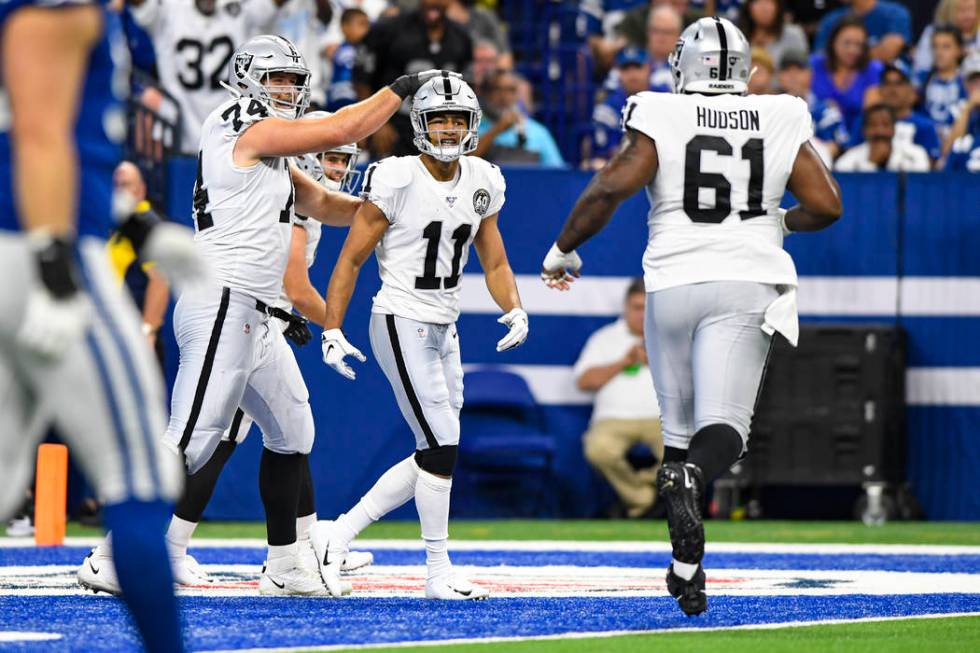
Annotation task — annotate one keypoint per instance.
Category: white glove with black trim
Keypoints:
(335, 348)
(516, 321)
(57, 312)
(560, 268)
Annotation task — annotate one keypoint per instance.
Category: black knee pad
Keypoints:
(440, 460)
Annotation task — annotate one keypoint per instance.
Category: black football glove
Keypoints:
(297, 329)
(406, 85)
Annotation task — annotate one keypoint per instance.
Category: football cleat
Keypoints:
(454, 588)
(330, 557)
(98, 573)
(355, 560)
(681, 485)
(189, 572)
(284, 577)
(689, 593)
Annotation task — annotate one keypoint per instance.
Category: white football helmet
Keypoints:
(442, 95)
(711, 57)
(348, 182)
(262, 56)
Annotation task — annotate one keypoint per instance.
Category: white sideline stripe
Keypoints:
(598, 635)
(16, 636)
(924, 386)
(570, 545)
(818, 296)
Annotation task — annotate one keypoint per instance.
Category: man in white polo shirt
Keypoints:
(613, 365)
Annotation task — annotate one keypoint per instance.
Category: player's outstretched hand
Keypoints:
(516, 322)
(335, 348)
(560, 269)
(406, 85)
(57, 312)
(171, 247)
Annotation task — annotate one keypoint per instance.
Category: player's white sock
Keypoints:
(685, 569)
(303, 527)
(278, 556)
(392, 490)
(432, 501)
(179, 535)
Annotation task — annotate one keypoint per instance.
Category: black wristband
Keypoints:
(137, 229)
(56, 265)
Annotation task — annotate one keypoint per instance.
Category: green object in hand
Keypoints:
(632, 369)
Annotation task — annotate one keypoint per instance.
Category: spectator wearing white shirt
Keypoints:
(880, 149)
(613, 365)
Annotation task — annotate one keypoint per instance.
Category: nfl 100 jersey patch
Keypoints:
(423, 253)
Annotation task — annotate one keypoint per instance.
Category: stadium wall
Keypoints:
(906, 252)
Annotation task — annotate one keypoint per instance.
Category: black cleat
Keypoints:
(689, 593)
(681, 486)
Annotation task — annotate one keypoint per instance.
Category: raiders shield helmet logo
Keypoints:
(242, 62)
(481, 202)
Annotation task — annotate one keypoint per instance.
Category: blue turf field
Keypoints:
(89, 622)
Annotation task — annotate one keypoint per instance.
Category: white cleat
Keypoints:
(286, 578)
(189, 572)
(98, 573)
(355, 560)
(454, 588)
(330, 558)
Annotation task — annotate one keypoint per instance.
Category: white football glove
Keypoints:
(171, 247)
(335, 348)
(560, 269)
(53, 325)
(782, 223)
(57, 310)
(516, 321)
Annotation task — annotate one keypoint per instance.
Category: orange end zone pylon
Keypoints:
(50, 494)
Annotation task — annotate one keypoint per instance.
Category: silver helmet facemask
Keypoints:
(711, 57)
(261, 57)
(348, 182)
(442, 95)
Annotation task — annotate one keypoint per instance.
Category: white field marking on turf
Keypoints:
(569, 545)
(408, 581)
(593, 635)
(16, 636)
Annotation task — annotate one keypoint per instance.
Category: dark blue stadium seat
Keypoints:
(506, 454)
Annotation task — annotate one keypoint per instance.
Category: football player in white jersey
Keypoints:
(244, 202)
(194, 41)
(420, 215)
(715, 164)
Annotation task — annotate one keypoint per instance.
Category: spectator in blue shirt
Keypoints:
(795, 78)
(845, 73)
(942, 88)
(889, 27)
(898, 93)
(507, 134)
(633, 68)
(355, 25)
(964, 137)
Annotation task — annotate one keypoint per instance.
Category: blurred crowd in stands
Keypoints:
(891, 85)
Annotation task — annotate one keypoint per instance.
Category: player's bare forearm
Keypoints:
(310, 303)
(632, 167)
(367, 230)
(280, 137)
(296, 281)
(315, 201)
(155, 299)
(44, 56)
(817, 191)
(499, 276)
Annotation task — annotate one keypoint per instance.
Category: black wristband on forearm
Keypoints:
(56, 265)
(137, 229)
